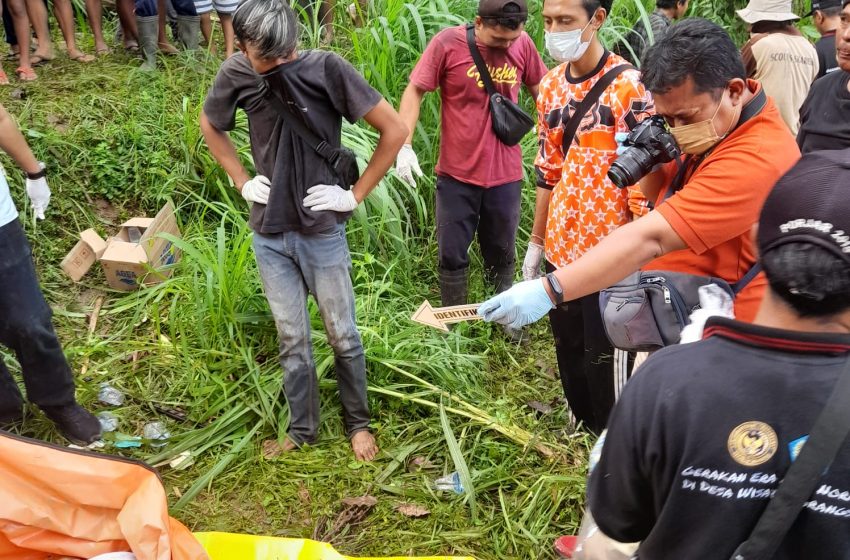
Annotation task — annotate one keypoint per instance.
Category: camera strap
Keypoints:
(571, 127)
(803, 477)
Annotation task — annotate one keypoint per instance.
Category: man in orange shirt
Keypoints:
(738, 146)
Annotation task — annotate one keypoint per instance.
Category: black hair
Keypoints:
(668, 4)
(812, 280)
(695, 48)
(268, 25)
(508, 22)
(590, 6)
(832, 11)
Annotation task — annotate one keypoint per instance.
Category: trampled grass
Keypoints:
(199, 351)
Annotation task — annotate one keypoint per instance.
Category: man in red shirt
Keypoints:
(479, 178)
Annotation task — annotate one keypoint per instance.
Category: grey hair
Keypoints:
(270, 26)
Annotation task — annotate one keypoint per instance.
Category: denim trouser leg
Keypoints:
(26, 328)
(291, 264)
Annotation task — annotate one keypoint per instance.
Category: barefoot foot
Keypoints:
(364, 446)
(273, 448)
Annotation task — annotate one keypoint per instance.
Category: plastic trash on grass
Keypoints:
(110, 395)
(449, 483)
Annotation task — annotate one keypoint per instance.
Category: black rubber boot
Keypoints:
(75, 422)
(188, 31)
(453, 287)
(148, 31)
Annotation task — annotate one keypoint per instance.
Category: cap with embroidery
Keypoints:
(810, 204)
(824, 5)
(496, 8)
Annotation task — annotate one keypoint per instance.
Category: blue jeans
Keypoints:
(292, 265)
(26, 328)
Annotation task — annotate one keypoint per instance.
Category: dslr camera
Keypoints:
(649, 144)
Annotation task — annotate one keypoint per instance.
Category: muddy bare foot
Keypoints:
(273, 448)
(364, 446)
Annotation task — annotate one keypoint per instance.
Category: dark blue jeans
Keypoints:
(293, 265)
(26, 328)
(463, 209)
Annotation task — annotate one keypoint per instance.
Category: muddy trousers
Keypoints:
(26, 329)
(592, 372)
(292, 266)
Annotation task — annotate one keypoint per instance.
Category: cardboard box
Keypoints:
(136, 256)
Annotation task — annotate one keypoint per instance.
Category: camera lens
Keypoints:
(633, 164)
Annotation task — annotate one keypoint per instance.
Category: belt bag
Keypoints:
(648, 310)
(510, 122)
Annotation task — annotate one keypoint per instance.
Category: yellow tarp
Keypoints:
(228, 546)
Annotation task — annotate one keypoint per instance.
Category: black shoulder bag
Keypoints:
(341, 160)
(804, 475)
(571, 128)
(510, 122)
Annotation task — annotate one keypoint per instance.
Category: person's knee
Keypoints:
(17, 8)
(344, 338)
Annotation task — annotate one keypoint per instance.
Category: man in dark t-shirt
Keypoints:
(825, 115)
(826, 15)
(299, 207)
(704, 432)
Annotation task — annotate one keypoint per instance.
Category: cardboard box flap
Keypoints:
(159, 250)
(95, 242)
(80, 259)
(141, 223)
(124, 252)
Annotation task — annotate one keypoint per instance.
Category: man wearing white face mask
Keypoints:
(736, 145)
(577, 205)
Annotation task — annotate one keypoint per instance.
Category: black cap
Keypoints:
(824, 4)
(496, 8)
(810, 204)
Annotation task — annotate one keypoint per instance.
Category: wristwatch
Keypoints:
(556, 288)
(38, 174)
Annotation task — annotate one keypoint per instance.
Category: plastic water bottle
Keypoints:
(450, 483)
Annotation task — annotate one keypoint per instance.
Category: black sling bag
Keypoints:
(341, 160)
(510, 122)
(571, 128)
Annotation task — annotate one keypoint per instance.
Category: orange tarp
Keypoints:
(59, 502)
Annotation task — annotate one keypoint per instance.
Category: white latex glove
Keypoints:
(406, 164)
(524, 303)
(257, 189)
(531, 262)
(330, 197)
(39, 194)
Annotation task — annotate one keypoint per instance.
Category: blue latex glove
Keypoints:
(524, 303)
(620, 137)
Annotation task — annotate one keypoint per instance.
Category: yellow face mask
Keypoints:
(698, 138)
